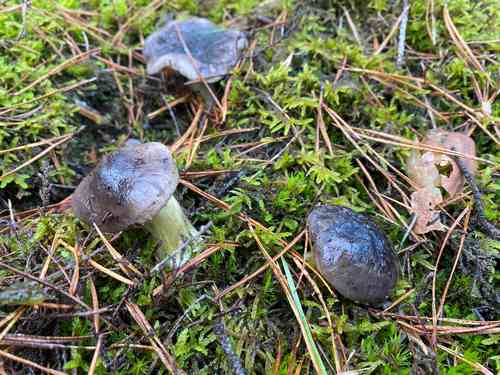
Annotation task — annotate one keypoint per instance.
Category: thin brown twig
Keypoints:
(73, 60)
(29, 363)
(457, 257)
(434, 274)
(45, 283)
(488, 227)
(167, 359)
(40, 155)
(262, 268)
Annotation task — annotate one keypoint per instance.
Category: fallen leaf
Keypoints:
(423, 202)
(422, 169)
(459, 142)
(432, 170)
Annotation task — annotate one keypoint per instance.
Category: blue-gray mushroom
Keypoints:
(193, 48)
(135, 185)
(352, 253)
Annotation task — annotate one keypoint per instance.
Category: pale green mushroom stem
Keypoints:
(171, 227)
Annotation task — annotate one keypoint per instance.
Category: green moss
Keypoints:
(279, 97)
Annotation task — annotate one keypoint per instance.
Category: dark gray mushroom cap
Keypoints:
(214, 51)
(128, 187)
(352, 254)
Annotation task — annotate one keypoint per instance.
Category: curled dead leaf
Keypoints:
(454, 182)
(423, 204)
(422, 169)
(431, 170)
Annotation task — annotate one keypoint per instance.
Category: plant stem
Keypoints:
(488, 227)
(207, 96)
(171, 227)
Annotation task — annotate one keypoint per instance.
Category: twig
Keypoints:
(457, 258)
(90, 113)
(280, 152)
(220, 332)
(389, 36)
(353, 27)
(45, 283)
(66, 64)
(179, 320)
(435, 315)
(20, 117)
(402, 34)
(430, 21)
(262, 268)
(169, 106)
(29, 363)
(474, 365)
(490, 229)
(41, 154)
(24, 11)
(167, 359)
(13, 225)
(409, 228)
(228, 348)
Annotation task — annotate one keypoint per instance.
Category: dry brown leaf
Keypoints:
(431, 170)
(422, 169)
(423, 202)
(454, 182)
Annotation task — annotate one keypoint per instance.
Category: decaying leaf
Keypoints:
(431, 170)
(422, 169)
(454, 182)
(423, 204)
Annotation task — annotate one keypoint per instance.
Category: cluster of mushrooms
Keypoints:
(135, 184)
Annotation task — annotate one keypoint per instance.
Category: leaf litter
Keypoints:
(432, 170)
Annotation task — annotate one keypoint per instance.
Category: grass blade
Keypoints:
(313, 350)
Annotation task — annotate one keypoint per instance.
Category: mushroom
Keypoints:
(135, 185)
(196, 49)
(352, 253)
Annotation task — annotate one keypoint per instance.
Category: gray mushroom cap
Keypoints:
(352, 254)
(214, 51)
(128, 187)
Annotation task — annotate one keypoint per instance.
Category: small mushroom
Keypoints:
(195, 48)
(135, 185)
(352, 253)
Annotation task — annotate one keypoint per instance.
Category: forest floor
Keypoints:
(325, 106)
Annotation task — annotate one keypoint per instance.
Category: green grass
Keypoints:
(279, 95)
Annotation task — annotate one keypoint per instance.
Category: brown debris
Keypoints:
(423, 204)
(431, 170)
(459, 142)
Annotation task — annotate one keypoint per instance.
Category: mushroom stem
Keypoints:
(201, 89)
(171, 227)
